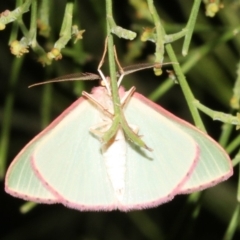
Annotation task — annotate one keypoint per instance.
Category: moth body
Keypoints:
(114, 152)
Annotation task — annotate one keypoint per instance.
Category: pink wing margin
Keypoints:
(185, 125)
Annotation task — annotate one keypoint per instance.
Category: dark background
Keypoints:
(211, 79)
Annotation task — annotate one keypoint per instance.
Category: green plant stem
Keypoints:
(162, 89)
(43, 17)
(190, 26)
(119, 31)
(118, 119)
(18, 12)
(27, 207)
(195, 56)
(225, 134)
(33, 23)
(185, 88)
(111, 59)
(236, 91)
(32, 35)
(233, 225)
(238, 189)
(220, 116)
(236, 159)
(233, 145)
(179, 73)
(7, 114)
(15, 27)
(65, 32)
(159, 53)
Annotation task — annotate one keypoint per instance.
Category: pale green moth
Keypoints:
(67, 163)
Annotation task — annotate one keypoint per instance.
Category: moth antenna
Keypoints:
(70, 77)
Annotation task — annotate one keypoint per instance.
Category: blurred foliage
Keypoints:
(40, 35)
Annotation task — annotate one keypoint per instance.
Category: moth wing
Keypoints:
(70, 164)
(21, 181)
(214, 164)
(153, 178)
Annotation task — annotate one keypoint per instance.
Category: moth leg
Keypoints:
(121, 71)
(134, 128)
(100, 128)
(132, 132)
(96, 102)
(105, 80)
(127, 96)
